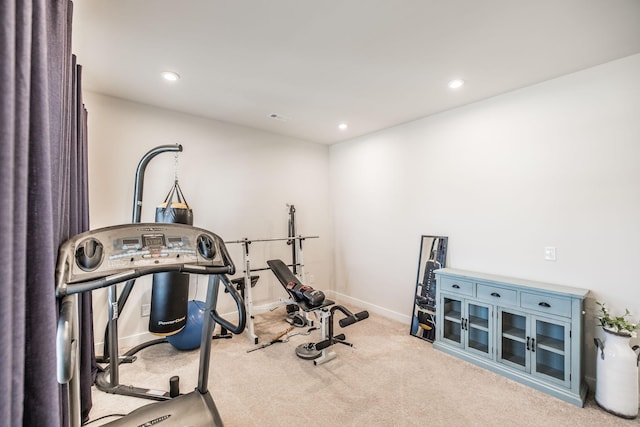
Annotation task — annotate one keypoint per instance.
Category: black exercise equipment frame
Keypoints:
(110, 347)
(325, 310)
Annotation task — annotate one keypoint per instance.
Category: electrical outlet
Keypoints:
(145, 310)
(550, 253)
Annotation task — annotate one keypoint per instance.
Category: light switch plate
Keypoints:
(550, 253)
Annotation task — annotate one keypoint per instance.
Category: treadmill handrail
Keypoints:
(66, 346)
(102, 282)
(242, 314)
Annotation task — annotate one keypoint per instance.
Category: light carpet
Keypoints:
(388, 378)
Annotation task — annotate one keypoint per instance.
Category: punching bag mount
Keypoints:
(142, 166)
(121, 301)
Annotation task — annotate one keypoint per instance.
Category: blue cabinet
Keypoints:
(530, 332)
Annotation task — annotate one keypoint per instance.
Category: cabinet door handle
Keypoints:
(495, 294)
(528, 339)
(544, 304)
(454, 286)
(533, 345)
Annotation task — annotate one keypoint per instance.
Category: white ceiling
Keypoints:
(370, 63)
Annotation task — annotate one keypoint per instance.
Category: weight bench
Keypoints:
(313, 301)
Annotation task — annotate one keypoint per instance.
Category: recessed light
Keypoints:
(342, 126)
(170, 76)
(455, 84)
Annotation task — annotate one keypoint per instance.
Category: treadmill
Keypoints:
(104, 257)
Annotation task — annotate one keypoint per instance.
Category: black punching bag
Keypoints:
(170, 291)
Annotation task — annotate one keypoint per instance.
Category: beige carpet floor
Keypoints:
(388, 378)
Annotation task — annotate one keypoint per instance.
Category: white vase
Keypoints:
(617, 375)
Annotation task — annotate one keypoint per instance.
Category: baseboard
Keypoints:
(385, 312)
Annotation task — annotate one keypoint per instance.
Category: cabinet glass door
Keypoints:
(452, 320)
(512, 346)
(477, 324)
(549, 343)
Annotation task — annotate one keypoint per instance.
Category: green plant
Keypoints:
(617, 324)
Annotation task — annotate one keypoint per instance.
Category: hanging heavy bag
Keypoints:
(170, 291)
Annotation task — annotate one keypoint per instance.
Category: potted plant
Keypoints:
(617, 364)
(616, 324)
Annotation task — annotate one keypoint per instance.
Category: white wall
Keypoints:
(555, 164)
(237, 180)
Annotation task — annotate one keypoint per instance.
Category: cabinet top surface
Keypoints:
(541, 286)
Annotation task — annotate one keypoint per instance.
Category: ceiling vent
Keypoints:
(280, 117)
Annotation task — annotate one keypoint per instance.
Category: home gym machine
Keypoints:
(312, 301)
(245, 283)
(108, 256)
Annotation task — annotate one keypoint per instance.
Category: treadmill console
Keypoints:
(143, 247)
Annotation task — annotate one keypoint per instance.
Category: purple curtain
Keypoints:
(43, 194)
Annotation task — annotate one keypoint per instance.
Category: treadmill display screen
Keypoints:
(153, 240)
